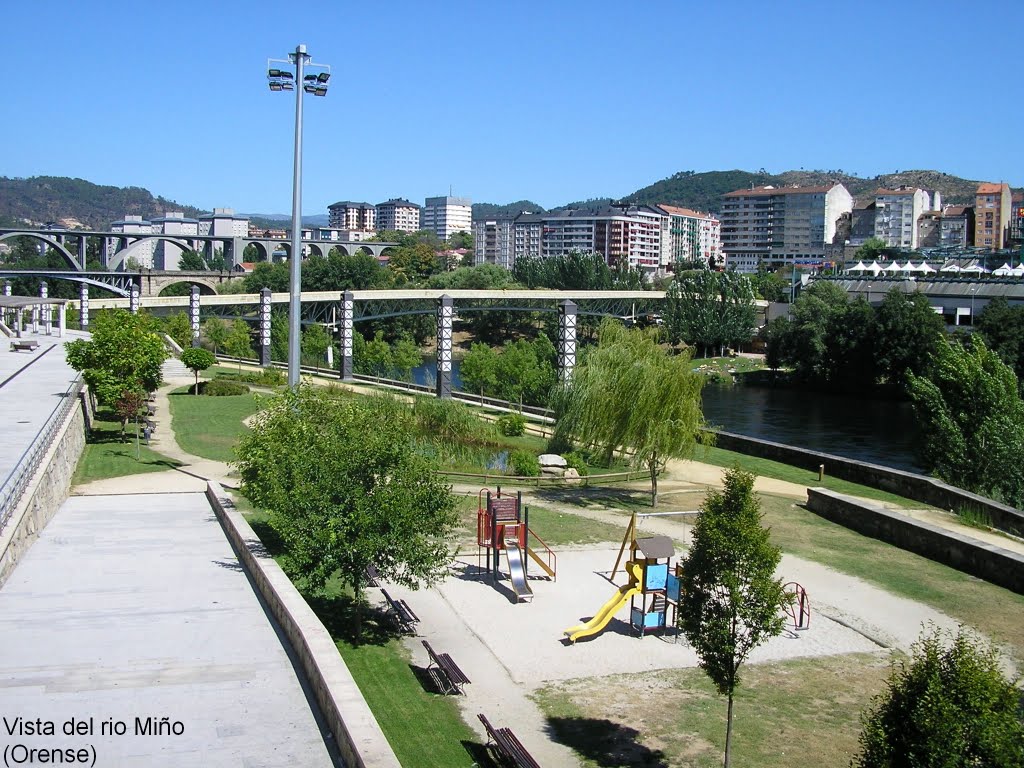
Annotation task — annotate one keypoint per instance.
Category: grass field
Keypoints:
(106, 456)
(424, 728)
(210, 427)
(803, 712)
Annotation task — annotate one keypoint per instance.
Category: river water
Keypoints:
(877, 431)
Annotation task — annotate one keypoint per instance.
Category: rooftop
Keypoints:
(770, 191)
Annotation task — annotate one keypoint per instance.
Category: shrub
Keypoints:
(449, 421)
(512, 424)
(574, 460)
(524, 463)
(222, 388)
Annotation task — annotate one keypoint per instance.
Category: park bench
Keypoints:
(446, 673)
(400, 611)
(24, 345)
(507, 748)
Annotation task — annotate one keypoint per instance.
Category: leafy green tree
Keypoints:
(415, 263)
(191, 261)
(340, 272)
(461, 240)
(631, 394)
(908, 334)
(710, 309)
(971, 421)
(479, 369)
(820, 310)
(315, 343)
(280, 332)
(373, 357)
(179, 328)
(346, 490)
(949, 707)
(197, 359)
(128, 407)
(1002, 328)
(268, 275)
(769, 285)
(239, 343)
(732, 601)
(872, 249)
(216, 260)
(216, 333)
(405, 356)
(125, 353)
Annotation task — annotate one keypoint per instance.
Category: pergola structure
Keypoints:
(13, 308)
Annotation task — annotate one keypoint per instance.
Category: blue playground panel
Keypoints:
(656, 576)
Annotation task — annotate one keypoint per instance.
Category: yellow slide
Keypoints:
(609, 609)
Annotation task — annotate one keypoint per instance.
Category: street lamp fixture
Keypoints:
(315, 83)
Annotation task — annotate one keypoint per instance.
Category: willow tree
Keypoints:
(630, 394)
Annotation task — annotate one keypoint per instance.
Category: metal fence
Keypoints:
(18, 479)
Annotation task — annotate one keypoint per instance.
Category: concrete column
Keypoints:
(83, 250)
(83, 306)
(134, 300)
(346, 328)
(445, 310)
(193, 314)
(265, 305)
(62, 319)
(7, 287)
(566, 339)
(45, 309)
(105, 252)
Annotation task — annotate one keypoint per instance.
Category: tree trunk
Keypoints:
(728, 732)
(358, 593)
(197, 382)
(653, 467)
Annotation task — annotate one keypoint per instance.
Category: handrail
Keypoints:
(584, 480)
(552, 556)
(18, 478)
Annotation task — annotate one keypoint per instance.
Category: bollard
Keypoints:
(821, 473)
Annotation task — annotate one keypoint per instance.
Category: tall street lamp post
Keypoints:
(316, 84)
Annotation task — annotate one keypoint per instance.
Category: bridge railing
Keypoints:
(17, 480)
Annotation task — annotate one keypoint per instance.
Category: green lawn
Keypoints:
(803, 712)
(424, 728)
(210, 427)
(106, 456)
(993, 610)
(767, 468)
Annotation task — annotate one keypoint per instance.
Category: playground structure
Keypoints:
(503, 525)
(653, 587)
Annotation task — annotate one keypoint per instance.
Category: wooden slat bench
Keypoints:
(508, 750)
(400, 611)
(24, 345)
(446, 673)
(372, 576)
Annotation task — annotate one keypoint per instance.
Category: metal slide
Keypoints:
(517, 572)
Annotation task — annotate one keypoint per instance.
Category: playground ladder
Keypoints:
(551, 566)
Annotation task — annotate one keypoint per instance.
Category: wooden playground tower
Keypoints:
(503, 525)
(658, 589)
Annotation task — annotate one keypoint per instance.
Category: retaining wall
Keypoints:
(910, 485)
(45, 492)
(356, 731)
(986, 561)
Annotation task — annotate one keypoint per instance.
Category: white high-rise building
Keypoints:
(896, 215)
(444, 216)
(174, 224)
(399, 215)
(777, 226)
(688, 235)
(139, 228)
(353, 216)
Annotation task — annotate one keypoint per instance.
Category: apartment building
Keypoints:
(1017, 221)
(688, 235)
(781, 225)
(929, 229)
(175, 224)
(398, 214)
(137, 227)
(353, 216)
(957, 227)
(896, 215)
(992, 205)
(223, 223)
(527, 234)
(494, 242)
(623, 235)
(444, 216)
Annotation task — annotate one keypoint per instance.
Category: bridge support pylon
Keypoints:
(346, 329)
(445, 311)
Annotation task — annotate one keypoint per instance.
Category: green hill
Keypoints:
(483, 211)
(43, 199)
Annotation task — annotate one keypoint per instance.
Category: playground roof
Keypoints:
(656, 546)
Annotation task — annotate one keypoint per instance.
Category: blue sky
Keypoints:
(547, 101)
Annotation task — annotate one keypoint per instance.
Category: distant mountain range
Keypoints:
(75, 202)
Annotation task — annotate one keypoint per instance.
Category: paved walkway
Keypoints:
(136, 607)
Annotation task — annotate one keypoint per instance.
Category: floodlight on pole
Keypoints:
(285, 80)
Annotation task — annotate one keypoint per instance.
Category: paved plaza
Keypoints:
(135, 607)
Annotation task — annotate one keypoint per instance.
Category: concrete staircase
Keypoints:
(174, 369)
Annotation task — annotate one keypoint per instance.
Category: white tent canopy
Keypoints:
(875, 268)
(894, 267)
(858, 267)
(1018, 271)
(908, 267)
(925, 269)
(1003, 271)
(951, 268)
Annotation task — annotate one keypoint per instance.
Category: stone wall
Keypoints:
(45, 492)
(356, 731)
(927, 490)
(986, 561)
